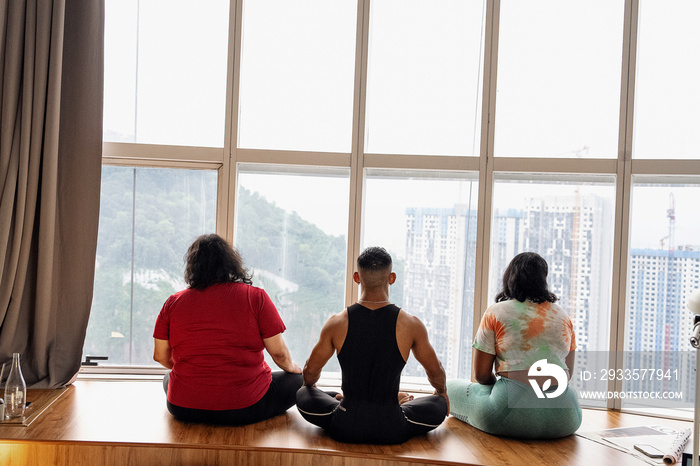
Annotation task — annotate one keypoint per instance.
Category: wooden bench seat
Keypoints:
(101, 422)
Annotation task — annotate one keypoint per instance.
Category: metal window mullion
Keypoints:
(356, 195)
(622, 198)
(422, 162)
(151, 163)
(227, 193)
(161, 153)
(666, 167)
(483, 232)
(293, 157)
(559, 166)
(224, 211)
(132, 271)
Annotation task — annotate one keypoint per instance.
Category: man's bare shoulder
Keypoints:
(335, 329)
(337, 321)
(339, 318)
(408, 322)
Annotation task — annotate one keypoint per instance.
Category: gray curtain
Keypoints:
(51, 73)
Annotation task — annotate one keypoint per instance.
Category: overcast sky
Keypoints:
(558, 92)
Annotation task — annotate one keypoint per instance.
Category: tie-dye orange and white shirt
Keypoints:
(521, 333)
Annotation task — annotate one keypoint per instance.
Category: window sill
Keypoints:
(332, 381)
(328, 380)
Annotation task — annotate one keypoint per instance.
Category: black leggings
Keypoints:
(388, 423)
(278, 399)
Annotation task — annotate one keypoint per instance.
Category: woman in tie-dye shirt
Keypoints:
(523, 328)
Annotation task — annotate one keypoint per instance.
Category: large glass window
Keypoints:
(165, 71)
(424, 77)
(559, 66)
(667, 95)
(427, 222)
(292, 232)
(406, 74)
(148, 218)
(569, 222)
(297, 75)
(663, 269)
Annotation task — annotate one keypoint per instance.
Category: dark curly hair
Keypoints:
(525, 278)
(210, 260)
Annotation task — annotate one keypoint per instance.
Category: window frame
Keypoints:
(624, 167)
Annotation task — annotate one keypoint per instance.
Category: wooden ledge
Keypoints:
(128, 423)
(39, 400)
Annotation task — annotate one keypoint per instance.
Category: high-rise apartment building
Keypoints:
(439, 282)
(658, 324)
(570, 232)
(660, 281)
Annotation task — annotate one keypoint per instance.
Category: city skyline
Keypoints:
(570, 232)
(436, 262)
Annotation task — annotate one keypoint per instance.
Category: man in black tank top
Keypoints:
(373, 339)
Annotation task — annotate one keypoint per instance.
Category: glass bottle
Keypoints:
(15, 390)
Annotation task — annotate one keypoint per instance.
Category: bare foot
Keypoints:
(404, 397)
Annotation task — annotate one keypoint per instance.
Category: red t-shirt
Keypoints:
(216, 336)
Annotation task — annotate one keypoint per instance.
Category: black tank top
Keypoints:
(370, 359)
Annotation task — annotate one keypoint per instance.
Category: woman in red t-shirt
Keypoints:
(212, 336)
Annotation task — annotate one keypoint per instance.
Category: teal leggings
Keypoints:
(495, 409)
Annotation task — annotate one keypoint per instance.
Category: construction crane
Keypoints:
(671, 216)
(671, 290)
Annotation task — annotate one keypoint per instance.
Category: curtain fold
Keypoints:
(51, 74)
